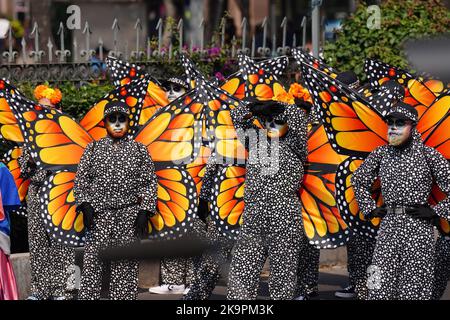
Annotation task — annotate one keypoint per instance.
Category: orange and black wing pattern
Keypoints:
(124, 72)
(219, 127)
(56, 143)
(354, 129)
(176, 203)
(301, 57)
(261, 82)
(323, 224)
(235, 84)
(379, 72)
(419, 92)
(352, 126)
(173, 137)
(346, 201)
(63, 222)
(9, 127)
(227, 205)
(434, 126)
(10, 159)
(196, 169)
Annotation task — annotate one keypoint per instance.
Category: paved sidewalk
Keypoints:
(330, 280)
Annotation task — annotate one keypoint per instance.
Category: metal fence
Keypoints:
(81, 63)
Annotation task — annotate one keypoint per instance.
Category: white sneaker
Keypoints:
(346, 293)
(33, 298)
(167, 289)
(186, 291)
(301, 298)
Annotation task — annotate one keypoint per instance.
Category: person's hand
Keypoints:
(424, 212)
(141, 223)
(379, 212)
(203, 210)
(267, 109)
(88, 214)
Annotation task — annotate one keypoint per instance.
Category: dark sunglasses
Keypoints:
(117, 117)
(173, 87)
(398, 122)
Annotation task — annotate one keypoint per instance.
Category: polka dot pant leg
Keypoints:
(442, 268)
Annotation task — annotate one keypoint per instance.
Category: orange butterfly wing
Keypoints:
(9, 127)
(22, 184)
(303, 57)
(228, 204)
(353, 128)
(346, 200)
(322, 222)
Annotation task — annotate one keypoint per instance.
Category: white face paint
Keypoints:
(175, 91)
(117, 125)
(399, 131)
(275, 128)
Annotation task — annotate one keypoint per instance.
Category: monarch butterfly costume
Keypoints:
(55, 225)
(116, 177)
(60, 142)
(272, 225)
(223, 183)
(421, 93)
(46, 256)
(50, 262)
(406, 179)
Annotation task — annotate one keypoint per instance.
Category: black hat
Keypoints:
(116, 106)
(182, 82)
(403, 111)
(349, 78)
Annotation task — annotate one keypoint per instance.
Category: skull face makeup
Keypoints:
(117, 125)
(401, 121)
(399, 131)
(175, 91)
(275, 128)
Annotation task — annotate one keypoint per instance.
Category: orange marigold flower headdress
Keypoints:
(43, 91)
(299, 92)
(284, 97)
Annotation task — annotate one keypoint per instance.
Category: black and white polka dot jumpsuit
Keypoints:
(308, 272)
(442, 268)
(50, 262)
(207, 268)
(272, 223)
(403, 261)
(117, 179)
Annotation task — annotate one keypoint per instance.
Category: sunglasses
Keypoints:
(173, 87)
(117, 117)
(398, 122)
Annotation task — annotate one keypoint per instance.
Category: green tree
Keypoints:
(400, 21)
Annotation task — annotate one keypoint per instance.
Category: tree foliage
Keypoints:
(400, 21)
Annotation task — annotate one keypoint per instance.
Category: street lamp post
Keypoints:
(315, 26)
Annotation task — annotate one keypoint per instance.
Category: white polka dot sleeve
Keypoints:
(206, 192)
(83, 177)
(28, 171)
(243, 122)
(148, 181)
(440, 169)
(363, 179)
(297, 133)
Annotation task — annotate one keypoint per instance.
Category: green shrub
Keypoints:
(400, 20)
